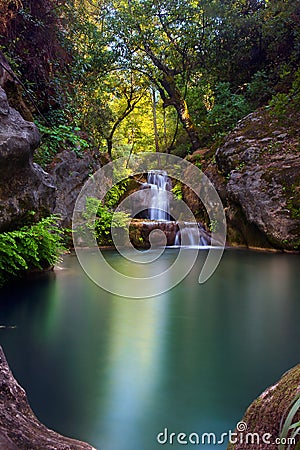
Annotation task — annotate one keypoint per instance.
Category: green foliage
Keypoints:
(291, 100)
(213, 226)
(288, 429)
(105, 220)
(177, 190)
(58, 138)
(32, 247)
(259, 90)
(278, 105)
(228, 108)
(114, 195)
(197, 161)
(212, 62)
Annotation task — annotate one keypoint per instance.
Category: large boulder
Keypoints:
(70, 172)
(260, 163)
(264, 421)
(24, 186)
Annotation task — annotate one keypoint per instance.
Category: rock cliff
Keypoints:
(260, 164)
(256, 172)
(12, 87)
(24, 185)
(69, 173)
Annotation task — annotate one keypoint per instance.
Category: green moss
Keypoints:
(290, 182)
(267, 413)
(292, 194)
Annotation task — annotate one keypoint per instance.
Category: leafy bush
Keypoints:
(177, 190)
(259, 91)
(281, 102)
(113, 196)
(57, 138)
(278, 105)
(227, 110)
(32, 247)
(105, 219)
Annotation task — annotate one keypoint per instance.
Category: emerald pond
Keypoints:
(117, 371)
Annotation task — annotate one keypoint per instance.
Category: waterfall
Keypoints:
(191, 235)
(154, 205)
(159, 184)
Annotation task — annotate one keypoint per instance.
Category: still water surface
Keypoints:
(116, 372)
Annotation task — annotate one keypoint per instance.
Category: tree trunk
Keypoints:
(176, 99)
(109, 143)
(19, 427)
(155, 120)
(185, 119)
(165, 127)
(171, 95)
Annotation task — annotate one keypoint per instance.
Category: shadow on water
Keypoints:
(39, 335)
(117, 371)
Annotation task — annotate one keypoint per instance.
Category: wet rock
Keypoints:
(19, 427)
(139, 232)
(25, 187)
(162, 233)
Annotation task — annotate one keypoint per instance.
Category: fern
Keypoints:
(32, 247)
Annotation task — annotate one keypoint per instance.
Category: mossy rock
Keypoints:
(261, 162)
(268, 412)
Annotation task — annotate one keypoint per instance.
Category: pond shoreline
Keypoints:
(36, 274)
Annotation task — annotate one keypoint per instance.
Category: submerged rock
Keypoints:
(265, 417)
(25, 187)
(19, 427)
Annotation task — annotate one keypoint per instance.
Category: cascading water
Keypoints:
(187, 234)
(159, 184)
(191, 235)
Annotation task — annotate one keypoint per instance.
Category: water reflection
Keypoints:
(116, 371)
(136, 354)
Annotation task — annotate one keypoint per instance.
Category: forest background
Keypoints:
(128, 76)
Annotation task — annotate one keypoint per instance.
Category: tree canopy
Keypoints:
(144, 75)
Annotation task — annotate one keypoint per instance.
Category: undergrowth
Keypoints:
(30, 248)
(101, 220)
(57, 138)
